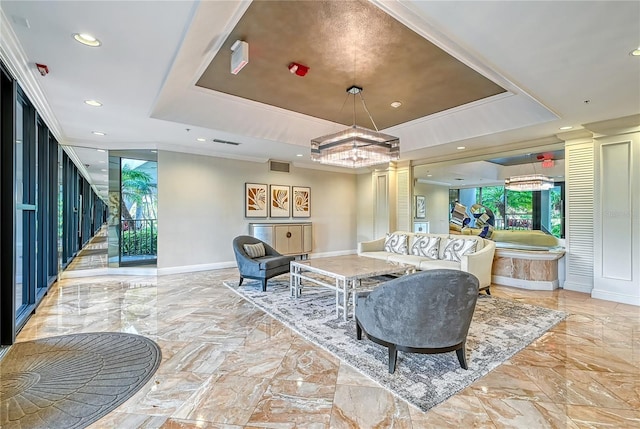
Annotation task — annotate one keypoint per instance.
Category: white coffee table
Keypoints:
(347, 271)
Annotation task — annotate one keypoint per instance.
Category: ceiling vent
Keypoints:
(282, 167)
(226, 142)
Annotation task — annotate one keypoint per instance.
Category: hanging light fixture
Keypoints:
(357, 146)
(529, 182)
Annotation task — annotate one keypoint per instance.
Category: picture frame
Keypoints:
(421, 207)
(279, 201)
(301, 201)
(256, 201)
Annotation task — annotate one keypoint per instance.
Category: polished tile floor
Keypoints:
(228, 365)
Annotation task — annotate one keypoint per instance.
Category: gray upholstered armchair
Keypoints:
(426, 312)
(261, 267)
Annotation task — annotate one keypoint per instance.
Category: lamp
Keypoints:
(529, 182)
(357, 146)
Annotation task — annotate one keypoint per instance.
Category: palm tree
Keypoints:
(136, 189)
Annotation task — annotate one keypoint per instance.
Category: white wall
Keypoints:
(437, 206)
(201, 208)
(365, 208)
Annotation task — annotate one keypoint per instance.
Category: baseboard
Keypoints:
(194, 268)
(577, 287)
(336, 253)
(615, 297)
(122, 271)
(525, 284)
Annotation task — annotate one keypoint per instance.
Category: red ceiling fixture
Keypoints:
(298, 69)
(42, 68)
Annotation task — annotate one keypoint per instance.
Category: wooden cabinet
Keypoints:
(286, 238)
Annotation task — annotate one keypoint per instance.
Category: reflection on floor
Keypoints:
(93, 255)
(228, 365)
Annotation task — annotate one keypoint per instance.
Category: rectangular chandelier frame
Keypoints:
(355, 147)
(531, 182)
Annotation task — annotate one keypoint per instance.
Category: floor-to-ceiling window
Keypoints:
(42, 194)
(7, 207)
(25, 198)
(133, 233)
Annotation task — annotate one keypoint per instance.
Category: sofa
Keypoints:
(427, 251)
(519, 239)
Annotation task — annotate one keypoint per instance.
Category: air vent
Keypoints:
(280, 166)
(226, 142)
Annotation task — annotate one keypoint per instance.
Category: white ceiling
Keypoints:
(551, 57)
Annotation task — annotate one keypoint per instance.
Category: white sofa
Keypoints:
(477, 262)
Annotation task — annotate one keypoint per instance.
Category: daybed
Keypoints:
(471, 254)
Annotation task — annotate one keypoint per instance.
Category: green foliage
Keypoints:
(139, 242)
(137, 190)
(493, 198)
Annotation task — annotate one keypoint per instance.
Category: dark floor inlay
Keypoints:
(72, 380)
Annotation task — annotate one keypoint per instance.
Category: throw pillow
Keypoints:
(254, 250)
(396, 243)
(426, 246)
(457, 247)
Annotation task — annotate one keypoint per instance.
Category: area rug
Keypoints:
(71, 381)
(500, 328)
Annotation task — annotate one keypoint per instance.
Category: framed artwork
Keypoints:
(279, 201)
(301, 199)
(255, 200)
(421, 207)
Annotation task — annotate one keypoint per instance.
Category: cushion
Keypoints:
(455, 248)
(271, 262)
(396, 243)
(255, 250)
(424, 245)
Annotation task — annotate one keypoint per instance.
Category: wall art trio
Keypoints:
(276, 201)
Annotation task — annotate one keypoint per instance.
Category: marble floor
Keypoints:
(228, 365)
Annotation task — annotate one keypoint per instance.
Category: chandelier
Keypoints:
(532, 182)
(529, 182)
(356, 146)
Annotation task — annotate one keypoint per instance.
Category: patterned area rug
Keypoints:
(72, 380)
(500, 328)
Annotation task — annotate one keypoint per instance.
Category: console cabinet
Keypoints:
(286, 238)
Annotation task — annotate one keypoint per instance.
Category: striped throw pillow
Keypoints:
(254, 250)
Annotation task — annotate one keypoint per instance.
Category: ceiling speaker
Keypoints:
(239, 56)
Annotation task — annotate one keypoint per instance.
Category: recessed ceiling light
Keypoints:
(101, 150)
(635, 52)
(87, 39)
(93, 103)
(396, 104)
(299, 154)
(98, 133)
(201, 139)
(461, 147)
(429, 175)
(568, 127)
